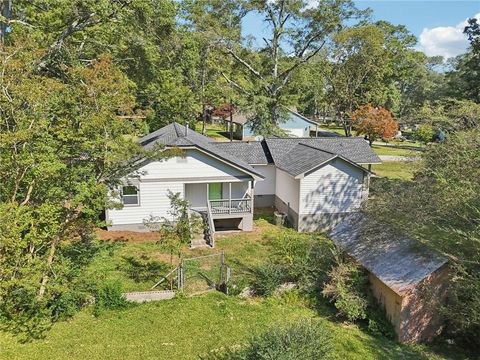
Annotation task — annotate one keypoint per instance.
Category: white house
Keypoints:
(315, 181)
(293, 124)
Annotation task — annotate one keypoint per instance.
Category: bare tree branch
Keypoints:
(246, 64)
(235, 84)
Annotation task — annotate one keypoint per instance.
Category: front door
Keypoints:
(214, 191)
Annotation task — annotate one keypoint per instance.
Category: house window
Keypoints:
(130, 195)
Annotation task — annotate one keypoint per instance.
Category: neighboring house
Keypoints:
(294, 125)
(407, 278)
(315, 181)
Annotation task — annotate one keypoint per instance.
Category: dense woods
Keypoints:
(80, 80)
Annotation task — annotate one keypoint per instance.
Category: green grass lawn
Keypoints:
(390, 150)
(395, 169)
(215, 131)
(186, 327)
(333, 128)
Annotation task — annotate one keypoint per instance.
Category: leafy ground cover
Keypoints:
(185, 328)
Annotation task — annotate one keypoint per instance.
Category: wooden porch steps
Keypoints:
(208, 233)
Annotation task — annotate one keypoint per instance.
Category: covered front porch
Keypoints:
(224, 198)
(227, 205)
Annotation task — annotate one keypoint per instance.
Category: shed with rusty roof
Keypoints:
(408, 278)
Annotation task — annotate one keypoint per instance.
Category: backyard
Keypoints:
(187, 327)
(395, 169)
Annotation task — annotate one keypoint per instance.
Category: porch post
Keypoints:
(208, 191)
(229, 197)
(250, 188)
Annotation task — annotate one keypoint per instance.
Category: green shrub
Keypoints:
(306, 258)
(378, 324)
(268, 277)
(109, 296)
(143, 270)
(305, 340)
(347, 289)
(424, 133)
(66, 304)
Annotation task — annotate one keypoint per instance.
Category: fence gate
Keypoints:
(204, 273)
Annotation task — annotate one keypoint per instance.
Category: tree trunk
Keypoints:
(51, 256)
(5, 9)
(347, 126)
(204, 118)
(202, 85)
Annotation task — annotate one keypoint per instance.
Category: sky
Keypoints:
(438, 24)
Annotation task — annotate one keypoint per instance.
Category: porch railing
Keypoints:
(231, 206)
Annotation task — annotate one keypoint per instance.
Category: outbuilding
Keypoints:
(293, 124)
(408, 278)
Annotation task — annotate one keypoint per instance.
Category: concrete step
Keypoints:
(146, 296)
(198, 243)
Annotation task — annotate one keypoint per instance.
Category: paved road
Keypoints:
(398, 158)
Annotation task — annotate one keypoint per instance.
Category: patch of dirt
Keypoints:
(132, 236)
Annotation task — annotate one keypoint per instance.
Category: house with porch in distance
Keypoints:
(294, 124)
(314, 181)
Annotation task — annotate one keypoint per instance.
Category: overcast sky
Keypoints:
(438, 24)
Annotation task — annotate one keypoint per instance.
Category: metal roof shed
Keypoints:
(409, 279)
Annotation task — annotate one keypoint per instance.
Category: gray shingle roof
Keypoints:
(252, 152)
(354, 149)
(176, 135)
(302, 158)
(399, 261)
(293, 155)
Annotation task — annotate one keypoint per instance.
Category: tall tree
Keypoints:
(208, 24)
(5, 9)
(463, 79)
(357, 70)
(423, 84)
(370, 63)
(441, 207)
(142, 36)
(298, 32)
(64, 145)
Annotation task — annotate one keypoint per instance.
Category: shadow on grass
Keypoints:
(143, 270)
(29, 316)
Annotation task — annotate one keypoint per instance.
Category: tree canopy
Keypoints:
(82, 80)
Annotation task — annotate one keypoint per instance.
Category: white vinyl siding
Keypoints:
(153, 201)
(298, 132)
(190, 173)
(196, 194)
(287, 189)
(334, 188)
(267, 186)
(195, 165)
